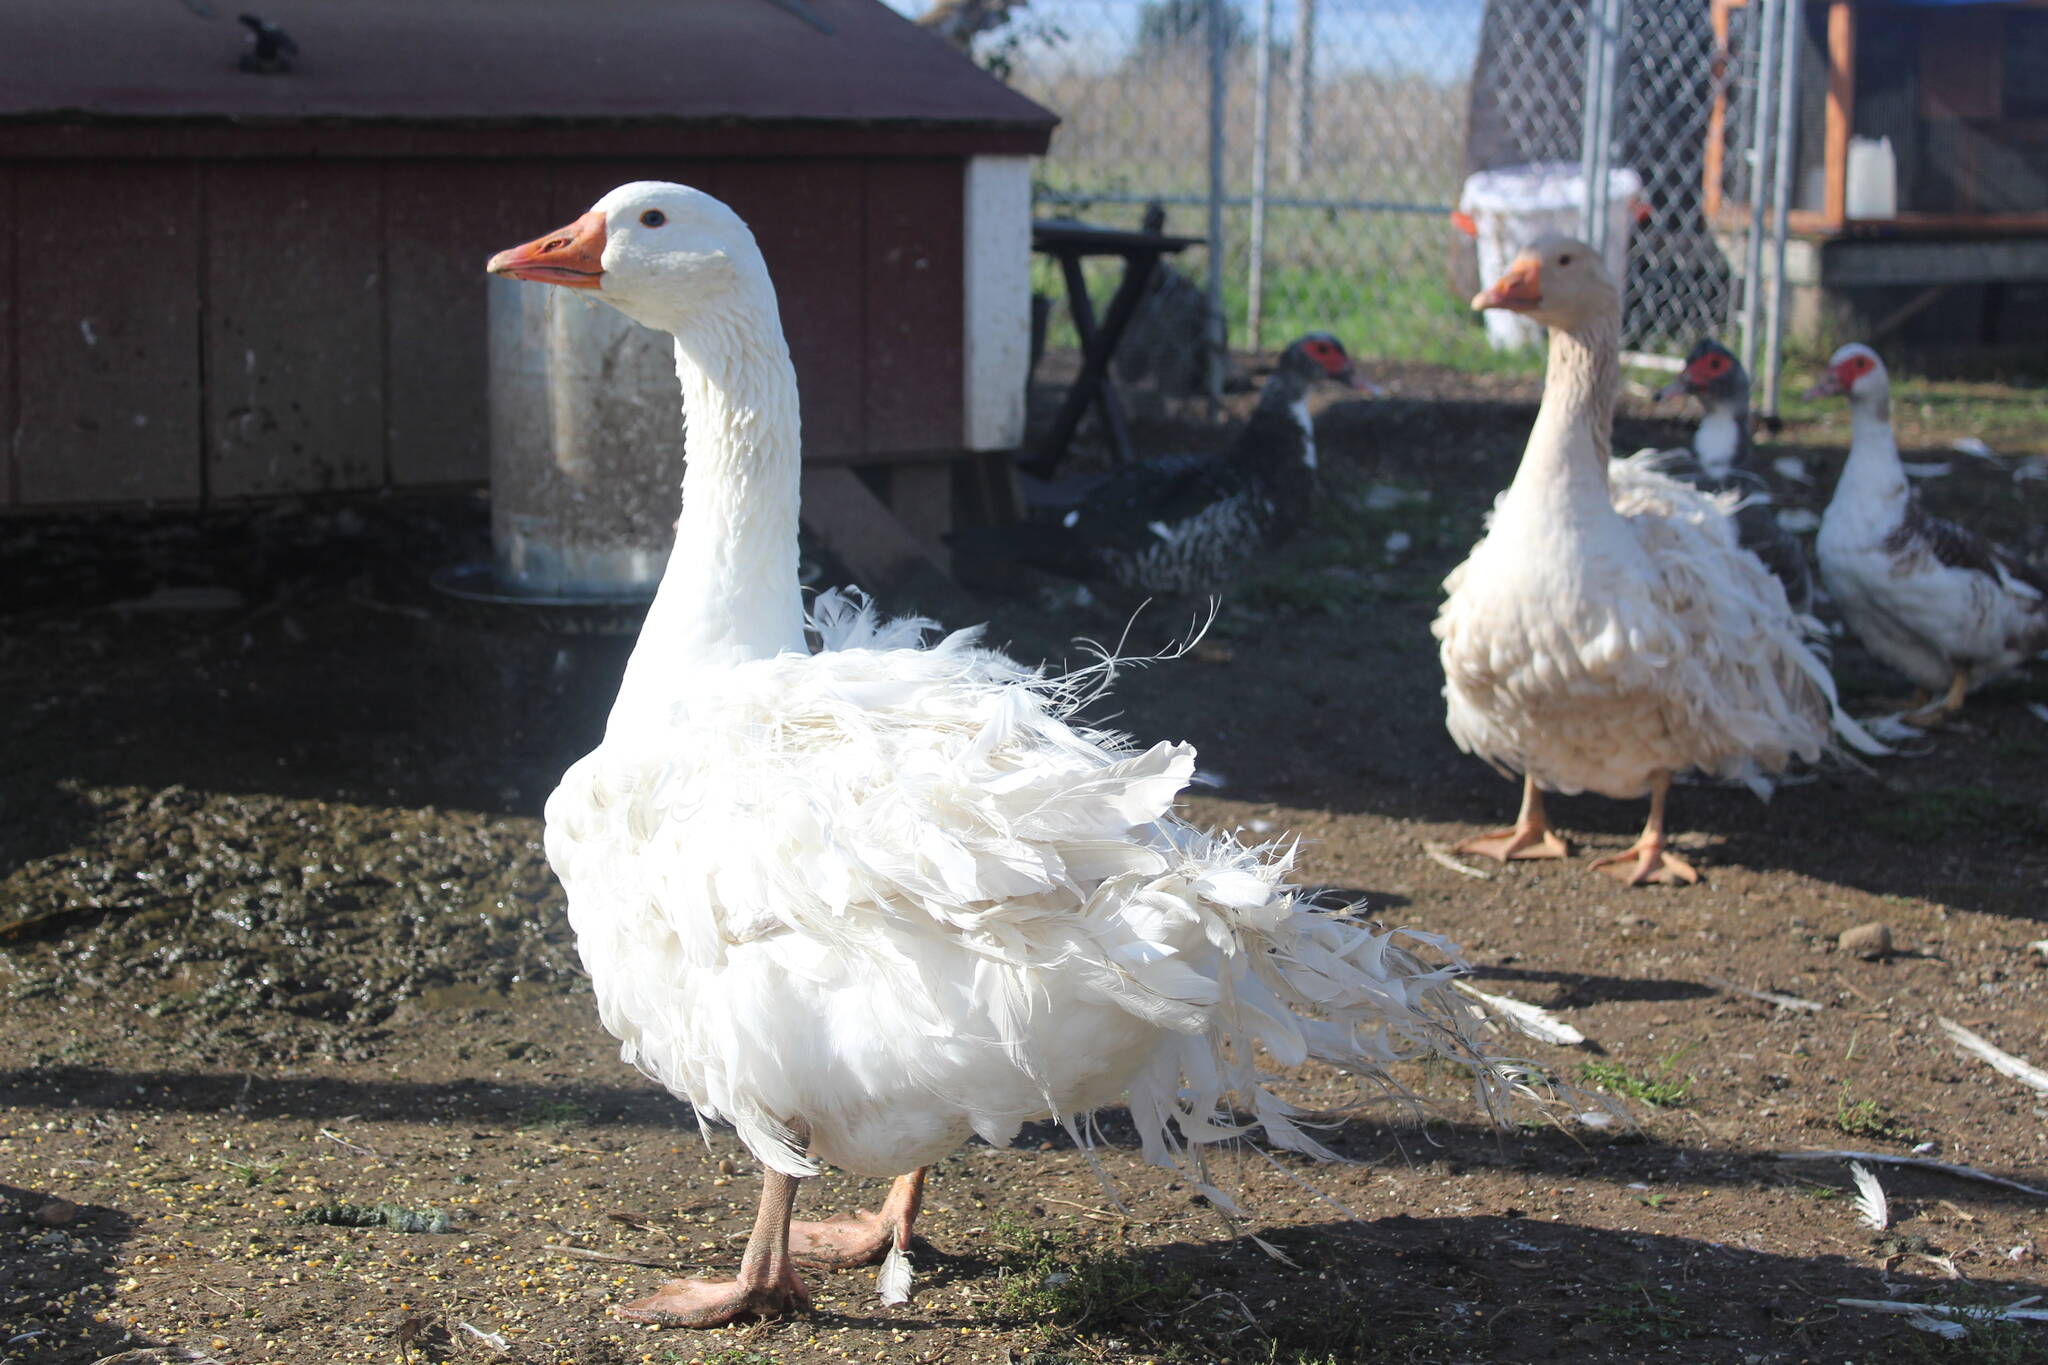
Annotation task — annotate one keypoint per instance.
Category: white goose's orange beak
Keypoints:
(1517, 291)
(572, 256)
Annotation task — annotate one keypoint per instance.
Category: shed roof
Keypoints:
(494, 60)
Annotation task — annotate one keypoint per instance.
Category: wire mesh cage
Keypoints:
(1330, 141)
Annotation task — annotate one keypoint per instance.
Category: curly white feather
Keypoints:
(895, 892)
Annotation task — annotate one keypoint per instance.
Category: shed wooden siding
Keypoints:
(185, 330)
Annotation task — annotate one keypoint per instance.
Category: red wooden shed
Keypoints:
(219, 283)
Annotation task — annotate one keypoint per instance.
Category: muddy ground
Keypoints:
(279, 950)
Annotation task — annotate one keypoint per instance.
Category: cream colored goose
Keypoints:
(864, 902)
(1609, 631)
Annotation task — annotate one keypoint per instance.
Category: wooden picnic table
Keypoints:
(1070, 243)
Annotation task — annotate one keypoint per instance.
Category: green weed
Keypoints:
(1647, 1311)
(1667, 1092)
(555, 1114)
(1067, 1282)
(252, 1173)
(1869, 1119)
(1942, 812)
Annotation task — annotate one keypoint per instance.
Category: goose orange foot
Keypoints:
(1648, 861)
(1523, 841)
(714, 1303)
(864, 1238)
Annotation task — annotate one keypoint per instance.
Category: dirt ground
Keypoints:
(279, 952)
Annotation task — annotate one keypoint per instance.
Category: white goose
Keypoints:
(865, 902)
(1609, 631)
(1933, 599)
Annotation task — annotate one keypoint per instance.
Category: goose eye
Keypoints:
(653, 218)
(1565, 259)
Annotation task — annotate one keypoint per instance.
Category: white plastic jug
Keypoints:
(1873, 190)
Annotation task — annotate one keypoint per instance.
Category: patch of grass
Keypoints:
(1940, 813)
(555, 1114)
(1066, 1282)
(1385, 298)
(1645, 1311)
(1084, 1294)
(1664, 1091)
(1869, 1119)
(252, 1173)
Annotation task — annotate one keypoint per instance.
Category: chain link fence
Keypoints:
(1344, 134)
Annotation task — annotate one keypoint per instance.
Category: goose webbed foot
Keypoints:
(766, 1287)
(1648, 862)
(863, 1238)
(713, 1303)
(1523, 841)
(1531, 837)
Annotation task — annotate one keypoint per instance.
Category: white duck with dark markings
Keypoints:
(1190, 525)
(1931, 598)
(1722, 459)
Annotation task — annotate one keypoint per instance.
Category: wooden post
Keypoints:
(1717, 118)
(1840, 111)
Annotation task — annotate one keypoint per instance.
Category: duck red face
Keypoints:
(1706, 370)
(1703, 372)
(572, 257)
(1841, 376)
(1329, 353)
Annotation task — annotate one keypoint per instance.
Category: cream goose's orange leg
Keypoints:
(1647, 860)
(1531, 837)
(766, 1287)
(863, 1238)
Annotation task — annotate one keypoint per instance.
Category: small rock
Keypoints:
(55, 1214)
(1867, 941)
(726, 1166)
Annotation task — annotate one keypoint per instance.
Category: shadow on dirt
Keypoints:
(58, 1265)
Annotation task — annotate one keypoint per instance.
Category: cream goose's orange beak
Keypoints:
(572, 256)
(1517, 291)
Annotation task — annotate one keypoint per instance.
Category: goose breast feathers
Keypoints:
(1595, 652)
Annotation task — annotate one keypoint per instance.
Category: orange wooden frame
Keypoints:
(1831, 219)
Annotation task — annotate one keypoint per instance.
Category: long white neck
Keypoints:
(1873, 471)
(1565, 463)
(730, 592)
